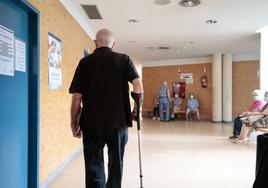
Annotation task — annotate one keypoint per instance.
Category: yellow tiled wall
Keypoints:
(56, 141)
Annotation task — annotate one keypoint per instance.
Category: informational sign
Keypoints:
(20, 55)
(188, 77)
(6, 51)
(54, 62)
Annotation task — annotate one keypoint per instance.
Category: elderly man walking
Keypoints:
(164, 101)
(100, 83)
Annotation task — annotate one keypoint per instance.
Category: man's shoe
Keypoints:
(233, 137)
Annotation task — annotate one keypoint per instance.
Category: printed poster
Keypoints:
(54, 62)
(86, 52)
(20, 55)
(6, 51)
(188, 77)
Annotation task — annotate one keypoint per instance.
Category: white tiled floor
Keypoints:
(179, 154)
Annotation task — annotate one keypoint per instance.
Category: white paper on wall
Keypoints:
(20, 55)
(188, 77)
(6, 51)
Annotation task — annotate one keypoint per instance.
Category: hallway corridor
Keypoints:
(179, 154)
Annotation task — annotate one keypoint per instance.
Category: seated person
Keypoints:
(177, 101)
(261, 121)
(156, 108)
(255, 106)
(192, 106)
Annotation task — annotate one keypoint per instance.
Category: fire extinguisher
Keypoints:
(204, 80)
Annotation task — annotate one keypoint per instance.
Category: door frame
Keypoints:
(34, 92)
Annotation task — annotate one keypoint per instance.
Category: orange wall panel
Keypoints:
(245, 80)
(153, 77)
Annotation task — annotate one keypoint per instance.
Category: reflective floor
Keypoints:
(179, 154)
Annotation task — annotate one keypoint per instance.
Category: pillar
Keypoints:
(217, 88)
(227, 79)
(264, 60)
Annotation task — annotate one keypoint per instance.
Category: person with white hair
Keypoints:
(192, 107)
(255, 106)
(164, 101)
(177, 102)
(254, 121)
(100, 83)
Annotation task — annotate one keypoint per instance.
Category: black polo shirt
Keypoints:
(102, 78)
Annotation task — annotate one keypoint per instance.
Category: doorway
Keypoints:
(19, 95)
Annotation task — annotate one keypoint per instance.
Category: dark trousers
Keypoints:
(261, 180)
(94, 141)
(237, 126)
(156, 111)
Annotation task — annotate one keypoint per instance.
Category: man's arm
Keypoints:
(137, 91)
(137, 85)
(75, 108)
(168, 94)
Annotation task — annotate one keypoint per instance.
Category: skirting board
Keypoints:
(61, 168)
(228, 122)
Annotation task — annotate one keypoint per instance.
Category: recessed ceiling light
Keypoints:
(178, 52)
(184, 47)
(134, 20)
(211, 21)
(161, 2)
(189, 3)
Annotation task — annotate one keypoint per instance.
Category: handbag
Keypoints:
(254, 117)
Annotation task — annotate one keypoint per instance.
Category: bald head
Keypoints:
(104, 38)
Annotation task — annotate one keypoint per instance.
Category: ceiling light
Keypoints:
(134, 20)
(191, 42)
(189, 3)
(211, 21)
(178, 52)
(161, 2)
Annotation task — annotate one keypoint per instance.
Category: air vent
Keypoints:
(163, 47)
(92, 12)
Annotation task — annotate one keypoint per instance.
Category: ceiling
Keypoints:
(175, 26)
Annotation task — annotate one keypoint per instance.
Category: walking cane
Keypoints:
(138, 100)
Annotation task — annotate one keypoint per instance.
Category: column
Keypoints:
(217, 88)
(227, 79)
(264, 59)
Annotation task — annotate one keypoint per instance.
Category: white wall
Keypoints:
(264, 59)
